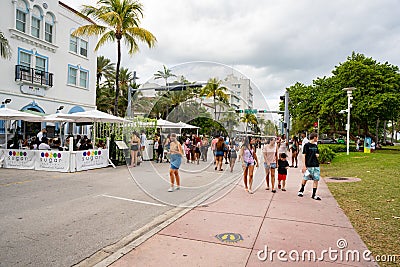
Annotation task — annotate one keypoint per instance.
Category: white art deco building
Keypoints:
(49, 68)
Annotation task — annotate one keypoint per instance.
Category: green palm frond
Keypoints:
(107, 37)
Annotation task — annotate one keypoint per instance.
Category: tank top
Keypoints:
(248, 155)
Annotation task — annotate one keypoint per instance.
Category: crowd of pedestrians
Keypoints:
(275, 151)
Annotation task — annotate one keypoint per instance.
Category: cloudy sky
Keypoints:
(274, 43)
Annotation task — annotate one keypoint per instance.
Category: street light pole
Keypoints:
(349, 91)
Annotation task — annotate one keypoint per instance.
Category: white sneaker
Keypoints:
(171, 190)
(177, 188)
(300, 194)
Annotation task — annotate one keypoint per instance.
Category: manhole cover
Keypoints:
(342, 179)
(229, 237)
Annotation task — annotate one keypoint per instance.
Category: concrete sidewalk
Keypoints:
(262, 222)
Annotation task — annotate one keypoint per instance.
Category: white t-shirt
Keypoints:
(143, 139)
(305, 141)
(39, 136)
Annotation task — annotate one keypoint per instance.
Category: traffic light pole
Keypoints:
(286, 118)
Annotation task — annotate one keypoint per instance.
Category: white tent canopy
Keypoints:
(167, 124)
(12, 114)
(187, 126)
(93, 116)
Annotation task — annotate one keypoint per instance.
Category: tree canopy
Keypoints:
(376, 98)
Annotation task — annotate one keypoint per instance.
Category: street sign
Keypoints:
(250, 111)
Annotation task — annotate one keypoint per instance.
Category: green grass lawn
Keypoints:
(373, 204)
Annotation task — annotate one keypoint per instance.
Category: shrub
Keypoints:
(326, 154)
(337, 148)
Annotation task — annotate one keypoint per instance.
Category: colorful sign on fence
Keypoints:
(91, 159)
(19, 159)
(52, 161)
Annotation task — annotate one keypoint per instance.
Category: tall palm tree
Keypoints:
(214, 89)
(119, 19)
(5, 49)
(164, 74)
(230, 120)
(249, 119)
(104, 67)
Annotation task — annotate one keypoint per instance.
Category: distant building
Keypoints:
(49, 67)
(240, 91)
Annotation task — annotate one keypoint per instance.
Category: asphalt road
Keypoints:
(56, 219)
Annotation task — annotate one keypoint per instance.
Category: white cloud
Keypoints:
(275, 43)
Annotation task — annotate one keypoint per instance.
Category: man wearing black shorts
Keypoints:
(311, 169)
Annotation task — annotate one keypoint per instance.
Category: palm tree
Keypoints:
(249, 119)
(5, 49)
(121, 20)
(230, 120)
(164, 74)
(104, 67)
(214, 89)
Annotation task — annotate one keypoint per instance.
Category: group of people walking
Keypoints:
(274, 153)
(275, 157)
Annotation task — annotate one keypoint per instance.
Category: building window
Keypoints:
(36, 22)
(78, 46)
(84, 46)
(49, 27)
(72, 75)
(24, 59)
(83, 77)
(21, 21)
(40, 64)
(78, 76)
(48, 32)
(73, 44)
(35, 27)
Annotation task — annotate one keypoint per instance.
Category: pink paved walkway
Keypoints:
(281, 221)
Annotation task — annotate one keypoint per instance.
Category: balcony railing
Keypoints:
(34, 76)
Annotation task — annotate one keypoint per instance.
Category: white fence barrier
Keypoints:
(53, 160)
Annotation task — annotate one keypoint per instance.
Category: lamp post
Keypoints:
(349, 91)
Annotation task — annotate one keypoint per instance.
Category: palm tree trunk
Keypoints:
(117, 78)
(215, 108)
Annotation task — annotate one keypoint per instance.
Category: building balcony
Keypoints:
(33, 76)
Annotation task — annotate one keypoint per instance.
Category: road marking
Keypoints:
(136, 201)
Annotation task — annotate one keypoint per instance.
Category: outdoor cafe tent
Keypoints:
(167, 124)
(93, 116)
(188, 126)
(12, 114)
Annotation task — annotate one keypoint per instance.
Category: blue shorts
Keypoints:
(176, 160)
(271, 166)
(314, 174)
(219, 153)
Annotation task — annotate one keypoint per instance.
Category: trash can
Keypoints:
(148, 150)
